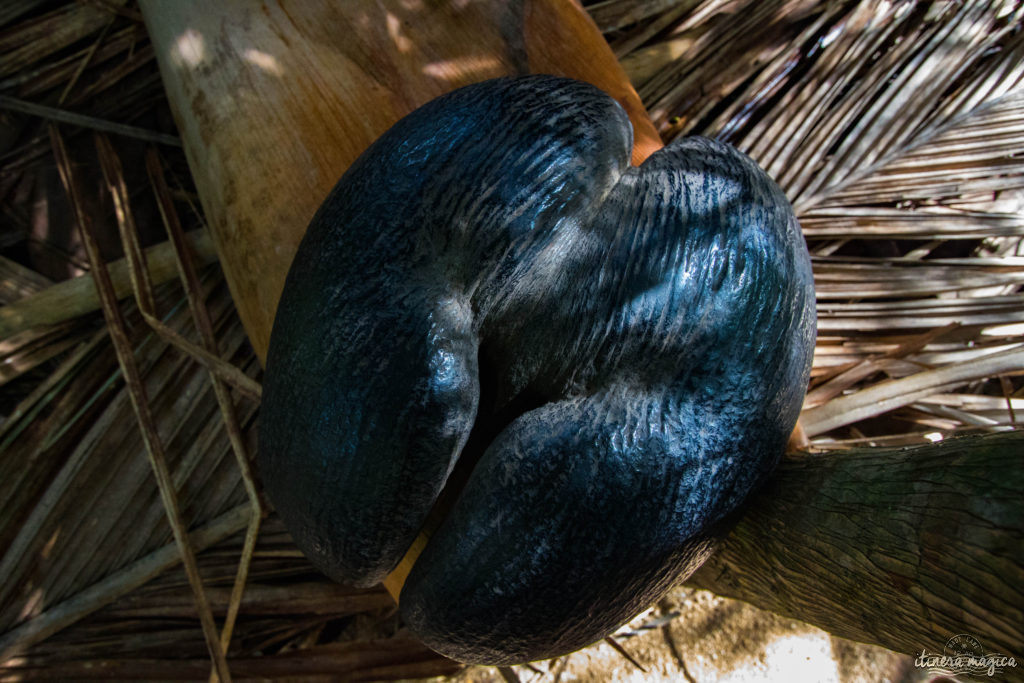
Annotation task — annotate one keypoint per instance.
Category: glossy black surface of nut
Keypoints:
(632, 344)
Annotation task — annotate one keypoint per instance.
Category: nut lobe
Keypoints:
(677, 363)
(371, 385)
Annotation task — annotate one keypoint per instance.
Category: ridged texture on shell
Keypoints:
(642, 337)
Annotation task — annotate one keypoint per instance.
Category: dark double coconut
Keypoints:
(628, 346)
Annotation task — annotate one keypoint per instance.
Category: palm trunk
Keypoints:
(899, 547)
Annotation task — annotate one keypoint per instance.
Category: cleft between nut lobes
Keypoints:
(622, 351)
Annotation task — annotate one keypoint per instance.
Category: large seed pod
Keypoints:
(628, 347)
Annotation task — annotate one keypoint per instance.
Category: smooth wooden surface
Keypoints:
(275, 99)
